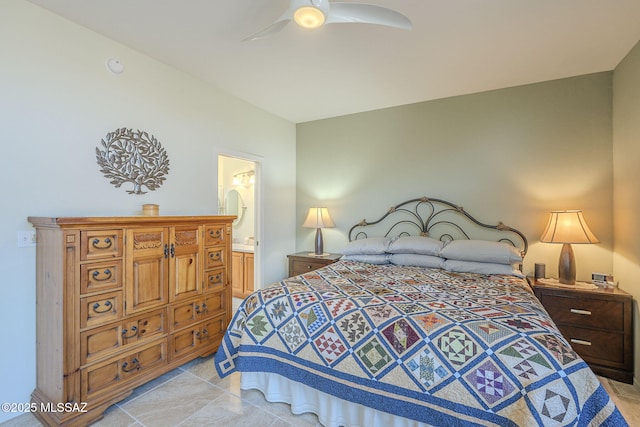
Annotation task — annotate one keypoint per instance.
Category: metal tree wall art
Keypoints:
(135, 157)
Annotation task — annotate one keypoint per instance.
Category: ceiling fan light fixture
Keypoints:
(309, 17)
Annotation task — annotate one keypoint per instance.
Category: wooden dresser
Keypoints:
(597, 323)
(122, 300)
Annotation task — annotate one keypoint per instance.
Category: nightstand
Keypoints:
(302, 262)
(597, 323)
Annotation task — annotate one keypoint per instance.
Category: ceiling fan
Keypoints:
(315, 13)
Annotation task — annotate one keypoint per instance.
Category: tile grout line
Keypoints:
(227, 392)
(136, 420)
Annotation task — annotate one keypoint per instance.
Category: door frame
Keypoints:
(258, 218)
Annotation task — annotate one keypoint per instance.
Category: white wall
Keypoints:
(626, 197)
(57, 101)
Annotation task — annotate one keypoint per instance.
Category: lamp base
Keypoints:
(319, 247)
(567, 266)
(318, 255)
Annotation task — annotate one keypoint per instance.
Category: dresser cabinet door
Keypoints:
(147, 268)
(184, 262)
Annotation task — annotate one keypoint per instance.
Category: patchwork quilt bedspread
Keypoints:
(438, 347)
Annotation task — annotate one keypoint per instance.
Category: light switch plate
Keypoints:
(26, 238)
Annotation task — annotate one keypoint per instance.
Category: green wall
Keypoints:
(508, 155)
(626, 162)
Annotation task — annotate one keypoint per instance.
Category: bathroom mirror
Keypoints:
(235, 205)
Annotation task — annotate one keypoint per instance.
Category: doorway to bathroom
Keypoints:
(239, 195)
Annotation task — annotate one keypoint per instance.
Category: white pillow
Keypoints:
(369, 259)
(416, 245)
(419, 260)
(481, 268)
(481, 251)
(368, 246)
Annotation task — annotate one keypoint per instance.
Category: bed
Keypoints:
(427, 320)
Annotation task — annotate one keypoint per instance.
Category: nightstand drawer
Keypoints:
(304, 262)
(592, 344)
(597, 323)
(304, 266)
(598, 313)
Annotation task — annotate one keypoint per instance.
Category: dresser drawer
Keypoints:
(214, 279)
(103, 276)
(606, 347)
(214, 234)
(100, 309)
(97, 244)
(197, 337)
(185, 314)
(99, 342)
(105, 376)
(215, 257)
(592, 312)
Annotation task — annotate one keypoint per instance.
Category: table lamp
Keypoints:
(318, 218)
(567, 227)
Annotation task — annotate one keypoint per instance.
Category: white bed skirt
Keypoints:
(331, 411)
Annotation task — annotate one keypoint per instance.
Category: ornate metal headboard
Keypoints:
(437, 219)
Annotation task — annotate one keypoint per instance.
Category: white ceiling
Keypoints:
(455, 47)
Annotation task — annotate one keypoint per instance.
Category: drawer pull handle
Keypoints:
(107, 273)
(214, 279)
(134, 365)
(584, 312)
(214, 233)
(582, 342)
(214, 256)
(96, 243)
(134, 331)
(107, 308)
(202, 335)
(203, 309)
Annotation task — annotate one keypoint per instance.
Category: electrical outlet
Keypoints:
(26, 238)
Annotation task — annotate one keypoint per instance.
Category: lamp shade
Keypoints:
(567, 227)
(318, 218)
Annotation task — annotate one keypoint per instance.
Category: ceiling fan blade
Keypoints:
(271, 29)
(366, 14)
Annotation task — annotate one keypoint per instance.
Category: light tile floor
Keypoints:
(626, 398)
(194, 395)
